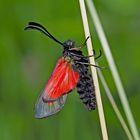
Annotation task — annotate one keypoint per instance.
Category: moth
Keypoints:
(71, 71)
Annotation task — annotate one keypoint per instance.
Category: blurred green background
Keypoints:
(27, 59)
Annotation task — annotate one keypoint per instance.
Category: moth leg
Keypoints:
(90, 65)
(88, 55)
(84, 44)
(81, 56)
(100, 54)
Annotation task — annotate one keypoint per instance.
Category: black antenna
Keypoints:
(39, 27)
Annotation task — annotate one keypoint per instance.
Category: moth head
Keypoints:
(69, 44)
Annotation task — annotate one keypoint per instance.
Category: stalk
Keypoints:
(114, 105)
(93, 70)
(113, 68)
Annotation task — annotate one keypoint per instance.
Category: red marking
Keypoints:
(50, 103)
(62, 80)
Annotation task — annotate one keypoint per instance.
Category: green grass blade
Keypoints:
(113, 68)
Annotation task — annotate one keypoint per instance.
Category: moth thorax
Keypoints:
(68, 59)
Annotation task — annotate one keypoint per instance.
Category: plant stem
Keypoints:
(113, 68)
(114, 105)
(93, 70)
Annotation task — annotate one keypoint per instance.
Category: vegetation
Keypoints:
(28, 58)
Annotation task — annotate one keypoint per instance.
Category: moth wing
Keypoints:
(63, 79)
(46, 109)
(61, 82)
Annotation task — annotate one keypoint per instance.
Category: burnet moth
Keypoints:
(71, 70)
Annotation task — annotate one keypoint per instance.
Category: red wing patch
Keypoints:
(63, 79)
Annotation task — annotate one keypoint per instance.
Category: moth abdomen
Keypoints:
(85, 88)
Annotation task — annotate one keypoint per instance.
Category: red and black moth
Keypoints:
(71, 71)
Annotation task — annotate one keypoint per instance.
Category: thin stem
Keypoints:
(93, 70)
(113, 68)
(114, 105)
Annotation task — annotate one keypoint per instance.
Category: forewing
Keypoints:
(62, 81)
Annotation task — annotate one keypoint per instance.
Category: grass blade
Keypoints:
(114, 105)
(93, 70)
(113, 68)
